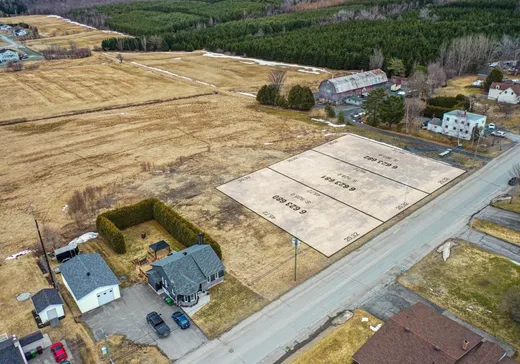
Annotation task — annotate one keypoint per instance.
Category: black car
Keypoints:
(157, 323)
(513, 181)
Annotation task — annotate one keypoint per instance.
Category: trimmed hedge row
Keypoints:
(110, 223)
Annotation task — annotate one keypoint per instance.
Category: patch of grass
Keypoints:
(231, 302)
(17, 276)
(470, 284)
(132, 353)
(459, 86)
(38, 127)
(511, 206)
(498, 231)
(341, 343)
(283, 113)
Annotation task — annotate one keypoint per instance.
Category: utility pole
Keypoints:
(44, 251)
(296, 244)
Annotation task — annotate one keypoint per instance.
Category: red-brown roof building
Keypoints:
(420, 335)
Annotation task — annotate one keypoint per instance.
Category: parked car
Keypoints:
(513, 181)
(491, 126)
(181, 320)
(157, 323)
(498, 133)
(60, 355)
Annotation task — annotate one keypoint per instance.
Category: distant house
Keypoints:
(5, 27)
(435, 124)
(7, 55)
(505, 92)
(90, 281)
(186, 274)
(48, 304)
(459, 124)
(420, 334)
(11, 351)
(337, 89)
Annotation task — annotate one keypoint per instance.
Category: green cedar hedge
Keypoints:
(110, 223)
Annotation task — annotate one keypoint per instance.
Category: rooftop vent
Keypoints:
(407, 329)
(88, 274)
(184, 253)
(465, 344)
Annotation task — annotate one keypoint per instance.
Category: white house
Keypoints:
(5, 27)
(90, 281)
(48, 305)
(504, 92)
(7, 55)
(460, 124)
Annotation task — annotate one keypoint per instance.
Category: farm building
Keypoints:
(90, 281)
(337, 89)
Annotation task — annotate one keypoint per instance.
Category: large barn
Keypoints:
(337, 89)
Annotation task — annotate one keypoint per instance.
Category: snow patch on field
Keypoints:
(267, 63)
(328, 123)
(305, 71)
(172, 74)
(245, 94)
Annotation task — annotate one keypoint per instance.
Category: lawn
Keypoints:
(231, 302)
(511, 206)
(459, 86)
(136, 248)
(338, 346)
(470, 285)
(498, 231)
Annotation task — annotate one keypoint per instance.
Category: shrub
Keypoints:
(110, 223)
(281, 101)
(341, 117)
(301, 98)
(267, 95)
(330, 111)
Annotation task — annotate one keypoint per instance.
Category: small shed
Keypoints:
(67, 252)
(158, 246)
(48, 304)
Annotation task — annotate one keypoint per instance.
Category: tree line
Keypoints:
(414, 36)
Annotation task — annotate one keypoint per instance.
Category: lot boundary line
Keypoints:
(323, 193)
(101, 109)
(368, 170)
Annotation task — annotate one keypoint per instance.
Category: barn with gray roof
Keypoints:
(358, 84)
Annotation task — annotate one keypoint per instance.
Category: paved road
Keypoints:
(352, 280)
(33, 55)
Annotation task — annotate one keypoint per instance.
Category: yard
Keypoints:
(339, 344)
(514, 205)
(470, 285)
(459, 85)
(498, 231)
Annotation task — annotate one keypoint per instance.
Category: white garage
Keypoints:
(90, 281)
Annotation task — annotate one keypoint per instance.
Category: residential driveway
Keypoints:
(47, 357)
(127, 316)
(502, 217)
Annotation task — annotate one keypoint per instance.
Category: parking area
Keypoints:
(127, 316)
(48, 358)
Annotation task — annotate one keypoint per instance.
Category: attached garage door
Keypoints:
(106, 296)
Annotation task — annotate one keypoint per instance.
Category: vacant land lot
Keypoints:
(83, 85)
(242, 75)
(48, 26)
(338, 346)
(470, 284)
(90, 38)
(459, 86)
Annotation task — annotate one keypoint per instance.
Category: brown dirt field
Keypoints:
(86, 84)
(47, 26)
(230, 74)
(91, 39)
(132, 353)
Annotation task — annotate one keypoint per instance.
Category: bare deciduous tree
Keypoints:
(120, 44)
(468, 53)
(376, 60)
(418, 83)
(436, 76)
(120, 57)
(413, 107)
(143, 43)
(277, 78)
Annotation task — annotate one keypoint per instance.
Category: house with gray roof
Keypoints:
(186, 274)
(11, 352)
(90, 281)
(48, 305)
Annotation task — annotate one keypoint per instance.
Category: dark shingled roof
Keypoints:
(160, 245)
(190, 267)
(9, 353)
(86, 272)
(418, 334)
(31, 338)
(486, 353)
(45, 298)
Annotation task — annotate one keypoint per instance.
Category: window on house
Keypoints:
(446, 126)
(221, 274)
(213, 277)
(468, 123)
